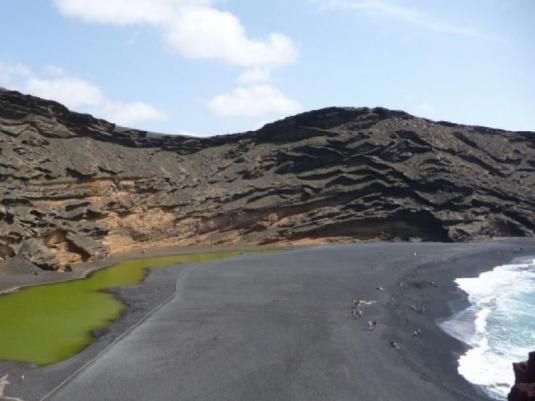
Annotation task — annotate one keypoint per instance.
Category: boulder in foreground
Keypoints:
(524, 388)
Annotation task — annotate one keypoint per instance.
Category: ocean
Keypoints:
(498, 326)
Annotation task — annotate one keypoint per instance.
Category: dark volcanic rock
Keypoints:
(525, 371)
(522, 392)
(79, 187)
(36, 252)
(524, 388)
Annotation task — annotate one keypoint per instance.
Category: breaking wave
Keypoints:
(498, 326)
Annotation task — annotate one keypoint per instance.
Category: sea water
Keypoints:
(498, 326)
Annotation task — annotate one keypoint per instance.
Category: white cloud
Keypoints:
(75, 93)
(426, 108)
(193, 28)
(54, 70)
(253, 101)
(196, 29)
(130, 113)
(394, 10)
(190, 133)
(119, 12)
(10, 73)
(255, 75)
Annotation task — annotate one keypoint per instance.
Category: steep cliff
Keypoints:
(73, 187)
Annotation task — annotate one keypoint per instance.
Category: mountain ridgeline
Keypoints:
(74, 188)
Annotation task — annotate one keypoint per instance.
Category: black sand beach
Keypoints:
(278, 327)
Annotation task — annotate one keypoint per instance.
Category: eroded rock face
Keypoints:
(524, 388)
(78, 188)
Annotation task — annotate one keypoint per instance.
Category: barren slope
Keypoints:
(74, 188)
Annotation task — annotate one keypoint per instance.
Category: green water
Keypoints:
(49, 323)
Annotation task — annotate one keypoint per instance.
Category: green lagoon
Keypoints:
(49, 323)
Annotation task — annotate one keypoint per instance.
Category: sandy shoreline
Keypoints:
(422, 367)
(437, 354)
(15, 274)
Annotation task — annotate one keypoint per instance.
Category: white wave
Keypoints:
(498, 326)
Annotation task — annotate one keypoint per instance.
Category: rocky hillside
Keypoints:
(73, 187)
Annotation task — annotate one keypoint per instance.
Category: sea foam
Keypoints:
(498, 327)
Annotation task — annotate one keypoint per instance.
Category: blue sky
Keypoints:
(206, 66)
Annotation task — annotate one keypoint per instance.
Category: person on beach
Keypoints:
(355, 310)
(3, 385)
(419, 310)
(356, 313)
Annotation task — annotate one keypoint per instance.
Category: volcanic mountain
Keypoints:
(74, 188)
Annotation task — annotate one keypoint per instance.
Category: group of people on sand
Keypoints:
(356, 313)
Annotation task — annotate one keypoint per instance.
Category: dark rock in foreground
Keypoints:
(524, 388)
(74, 188)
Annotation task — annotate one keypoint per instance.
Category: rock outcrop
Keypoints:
(74, 188)
(524, 388)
